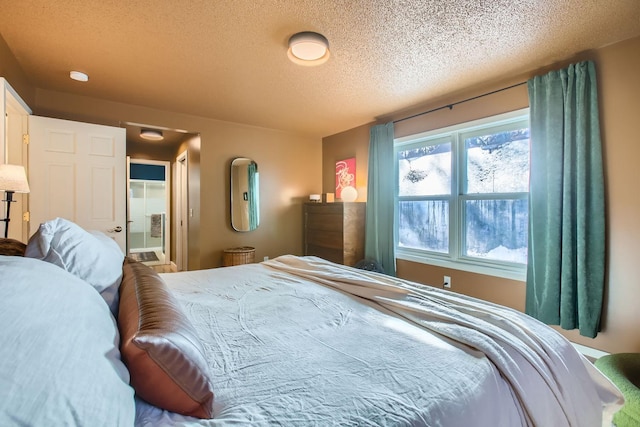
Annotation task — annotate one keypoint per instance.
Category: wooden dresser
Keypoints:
(335, 231)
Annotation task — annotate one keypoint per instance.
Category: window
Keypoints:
(462, 196)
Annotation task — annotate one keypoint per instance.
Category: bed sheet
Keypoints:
(299, 341)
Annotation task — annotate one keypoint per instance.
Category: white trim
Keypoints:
(147, 249)
(181, 209)
(146, 126)
(593, 353)
(15, 96)
(128, 240)
(516, 273)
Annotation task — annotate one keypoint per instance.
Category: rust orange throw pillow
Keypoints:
(160, 346)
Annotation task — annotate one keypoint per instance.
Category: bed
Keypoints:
(294, 341)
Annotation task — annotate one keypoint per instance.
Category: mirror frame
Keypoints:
(242, 196)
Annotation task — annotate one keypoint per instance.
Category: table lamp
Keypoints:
(13, 179)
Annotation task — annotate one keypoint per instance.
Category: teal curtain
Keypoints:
(254, 212)
(379, 241)
(565, 272)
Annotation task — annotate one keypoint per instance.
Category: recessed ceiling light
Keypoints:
(151, 134)
(308, 48)
(79, 76)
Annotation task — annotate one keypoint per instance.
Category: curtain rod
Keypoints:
(450, 106)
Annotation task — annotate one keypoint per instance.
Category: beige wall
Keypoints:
(12, 72)
(154, 151)
(619, 86)
(343, 146)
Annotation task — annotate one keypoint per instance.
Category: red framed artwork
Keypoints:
(345, 175)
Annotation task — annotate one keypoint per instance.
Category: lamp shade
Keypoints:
(349, 194)
(13, 178)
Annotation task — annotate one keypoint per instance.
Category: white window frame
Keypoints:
(454, 259)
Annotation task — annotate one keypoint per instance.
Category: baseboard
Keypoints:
(590, 353)
(174, 267)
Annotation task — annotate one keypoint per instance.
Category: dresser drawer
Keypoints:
(324, 222)
(324, 208)
(328, 239)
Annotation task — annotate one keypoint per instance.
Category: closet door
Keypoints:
(14, 152)
(77, 171)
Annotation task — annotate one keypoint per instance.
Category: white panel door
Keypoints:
(77, 171)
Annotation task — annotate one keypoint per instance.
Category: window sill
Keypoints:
(515, 273)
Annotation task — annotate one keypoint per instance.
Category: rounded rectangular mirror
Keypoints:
(245, 191)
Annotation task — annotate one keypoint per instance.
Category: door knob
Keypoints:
(115, 229)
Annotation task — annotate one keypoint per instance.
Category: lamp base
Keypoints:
(9, 199)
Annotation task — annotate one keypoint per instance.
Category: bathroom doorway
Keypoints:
(149, 190)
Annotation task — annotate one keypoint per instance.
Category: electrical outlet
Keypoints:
(266, 258)
(447, 282)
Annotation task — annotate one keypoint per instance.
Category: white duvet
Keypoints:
(304, 342)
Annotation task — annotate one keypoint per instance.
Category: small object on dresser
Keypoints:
(314, 198)
(349, 194)
(329, 197)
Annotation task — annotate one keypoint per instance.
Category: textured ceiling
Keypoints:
(226, 59)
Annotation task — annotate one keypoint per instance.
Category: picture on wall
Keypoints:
(345, 175)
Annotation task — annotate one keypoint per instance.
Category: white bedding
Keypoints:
(304, 342)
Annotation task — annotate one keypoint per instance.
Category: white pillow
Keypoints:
(93, 257)
(59, 359)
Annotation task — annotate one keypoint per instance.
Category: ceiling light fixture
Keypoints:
(151, 134)
(308, 48)
(79, 76)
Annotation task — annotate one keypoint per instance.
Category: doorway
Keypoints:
(149, 231)
(13, 151)
(181, 150)
(181, 209)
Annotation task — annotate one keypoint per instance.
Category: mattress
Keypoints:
(299, 341)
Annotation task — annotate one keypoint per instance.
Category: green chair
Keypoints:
(623, 369)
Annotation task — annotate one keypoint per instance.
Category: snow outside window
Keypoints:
(462, 196)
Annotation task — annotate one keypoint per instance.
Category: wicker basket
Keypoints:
(237, 256)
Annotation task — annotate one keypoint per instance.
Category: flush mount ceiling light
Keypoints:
(79, 76)
(308, 48)
(151, 135)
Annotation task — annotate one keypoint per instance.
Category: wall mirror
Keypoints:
(245, 191)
